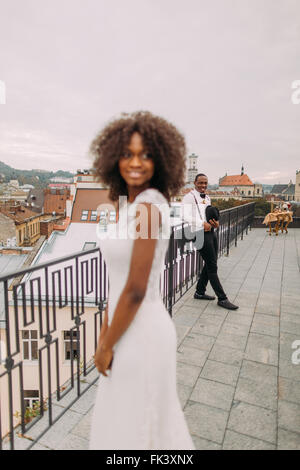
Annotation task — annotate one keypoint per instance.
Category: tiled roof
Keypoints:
(55, 200)
(35, 199)
(89, 200)
(8, 263)
(290, 190)
(278, 188)
(236, 180)
(18, 213)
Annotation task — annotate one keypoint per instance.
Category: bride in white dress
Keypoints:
(137, 405)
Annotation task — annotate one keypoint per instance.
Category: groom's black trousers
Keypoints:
(209, 253)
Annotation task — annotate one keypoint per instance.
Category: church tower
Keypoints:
(242, 169)
(297, 186)
(192, 168)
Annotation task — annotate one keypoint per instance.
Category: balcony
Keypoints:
(238, 377)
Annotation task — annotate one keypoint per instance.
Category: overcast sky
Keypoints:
(221, 70)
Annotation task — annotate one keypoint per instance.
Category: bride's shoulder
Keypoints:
(151, 195)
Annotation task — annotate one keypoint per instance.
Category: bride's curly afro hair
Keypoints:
(160, 138)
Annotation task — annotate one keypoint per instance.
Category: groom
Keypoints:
(198, 201)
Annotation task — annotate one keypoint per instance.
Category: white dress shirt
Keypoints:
(190, 211)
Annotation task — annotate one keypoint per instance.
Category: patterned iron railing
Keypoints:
(50, 310)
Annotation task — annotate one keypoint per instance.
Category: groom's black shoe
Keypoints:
(228, 305)
(203, 296)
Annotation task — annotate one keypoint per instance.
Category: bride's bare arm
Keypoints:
(135, 287)
(104, 326)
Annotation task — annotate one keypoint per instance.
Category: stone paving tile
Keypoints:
(72, 442)
(290, 309)
(257, 392)
(289, 390)
(83, 427)
(206, 422)
(288, 370)
(263, 328)
(288, 440)
(286, 345)
(268, 309)
(38, 446)
(187, 374)
(200, 305)
(219, 372)
(184, 392)
(239, 318)
(253, 370)
(227, 355)
(181, 332)
(213, 318)
(186, 317)
(289, 416)
(83, 406)
(205, 328)
(290, 327)
(245, 311)
(262, 348)
(232, 341)
(237, 441)
(196, 340)
(193, 356)
(246, 300)
(290, 317)
(235, 329)
(203, 444)
(213, 393)
(253, 421)
(60, 429)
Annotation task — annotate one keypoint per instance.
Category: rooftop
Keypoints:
(8, 263)
(236, 381)
(236, 180)
(88, 199)
(17, 212)
(278, 188)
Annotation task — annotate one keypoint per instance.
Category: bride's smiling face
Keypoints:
(136, 165)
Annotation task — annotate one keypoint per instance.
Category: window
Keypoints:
(112, 216)
(2, 351)
(257, 191)
(89, 246)
(84, 215)
(249, 192)
(30, 345)
(30, 398)
(67, 344)
(94, 216)
(103, 216)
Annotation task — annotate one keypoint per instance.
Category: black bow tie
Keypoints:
(202, 195)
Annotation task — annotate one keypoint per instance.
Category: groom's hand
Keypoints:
(214, 223)
(207, 227)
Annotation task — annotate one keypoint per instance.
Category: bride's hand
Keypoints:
(103, 359)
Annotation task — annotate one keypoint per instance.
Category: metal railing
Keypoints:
(63, 301)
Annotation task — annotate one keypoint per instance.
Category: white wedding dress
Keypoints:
(137, 405)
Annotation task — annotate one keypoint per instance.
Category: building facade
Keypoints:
(297, 186)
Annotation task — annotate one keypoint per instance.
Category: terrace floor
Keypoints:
(236, 380)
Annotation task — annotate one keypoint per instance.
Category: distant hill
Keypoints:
(38, 178)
